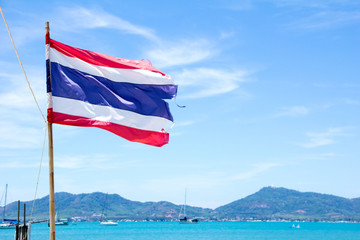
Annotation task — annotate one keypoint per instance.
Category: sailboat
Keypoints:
(106, 222)
(60, 221)
(6, 223)
(184, 218)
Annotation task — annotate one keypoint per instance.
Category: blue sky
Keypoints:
(271, 89)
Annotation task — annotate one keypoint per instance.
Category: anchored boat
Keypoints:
(182, 216)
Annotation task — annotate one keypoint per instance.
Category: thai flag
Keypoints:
(125, 97)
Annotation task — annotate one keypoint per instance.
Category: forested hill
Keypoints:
(273, 203)
(269, 203)
(92, 205)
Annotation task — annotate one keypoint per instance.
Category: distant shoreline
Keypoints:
(269, 204)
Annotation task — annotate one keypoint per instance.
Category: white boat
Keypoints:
(295, 226)
(182, 216)
(108, 223)
(62, 222)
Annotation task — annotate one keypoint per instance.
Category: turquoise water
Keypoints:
(202, 230)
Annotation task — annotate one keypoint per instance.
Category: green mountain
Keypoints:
(91, 206)
(282, 203)
(267, 204)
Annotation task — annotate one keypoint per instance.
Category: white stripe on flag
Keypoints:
(136, 76)
(109, 114)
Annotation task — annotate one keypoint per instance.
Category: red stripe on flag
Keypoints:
(152, 138)
(47, 38)
(50, 115)
(101, 59)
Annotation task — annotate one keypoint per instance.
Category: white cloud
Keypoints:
(83, 18)
(325, 138)
(180, 53)
(94, 161)
(301, 3)
(315, 4)
(82, 161)
(15, 92)
(225, 35)
(324, 14)
(19, 29)
(204, 180)
(327, 19)
(293, 111)
(352, 101)
(236, 5)
(21, 123)
(17, 164)
(206, 82)
(15, 136)
(185, 123)
(326, 156)
(164, 54)
(258, 169)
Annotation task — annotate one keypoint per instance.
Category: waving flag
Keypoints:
(123, 96)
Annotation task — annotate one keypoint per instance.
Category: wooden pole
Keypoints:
(51, 167)
(18, 220)
(17, 232)
(51, 184)
(24, 214)
(24, 230)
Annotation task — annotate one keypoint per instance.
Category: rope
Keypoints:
(2, 14)
(37, 183)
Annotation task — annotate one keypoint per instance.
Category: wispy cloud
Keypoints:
(326, 156)
(15, 136)
(304, 4)
(321, 14)
(185, 123)
(19, 28)
(82, 161)
(85, 18)
(325, 138)
(206, 82)
(352, 101)
(293, 111)
(225, 35)
(202, 181)
(236, 5)
(205, 180)
(327, 19)
(15, 92)
(316, 4)
(21, 123)
(94, 161)
(162, 53)
(180, 53)
(257, 169)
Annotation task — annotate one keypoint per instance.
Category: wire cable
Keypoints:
(37, 183)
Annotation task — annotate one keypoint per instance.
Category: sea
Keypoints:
(201, 230)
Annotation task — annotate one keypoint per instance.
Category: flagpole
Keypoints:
(51, 163)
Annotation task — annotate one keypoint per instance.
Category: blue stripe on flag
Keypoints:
(140, 98)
